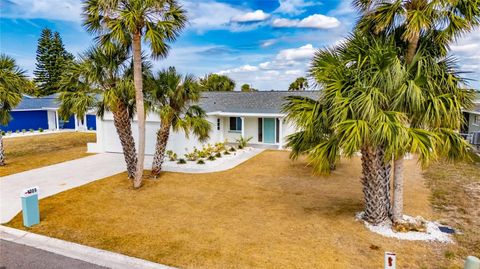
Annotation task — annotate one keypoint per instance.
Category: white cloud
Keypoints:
(241, 69)
(317, 21)
(268, 43)
(255, 16)
(294, 72)
(65, 10)
(467, 51)
(301, 53)
(278, 72)
(293, 7)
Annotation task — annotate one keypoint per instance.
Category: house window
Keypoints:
(235, 124)
(476, 120)
(277, 130)
(260, 129)
(218, 124)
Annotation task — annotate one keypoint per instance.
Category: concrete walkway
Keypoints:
(56, 178)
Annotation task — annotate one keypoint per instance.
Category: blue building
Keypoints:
(42, 112)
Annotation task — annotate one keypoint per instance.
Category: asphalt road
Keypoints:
(17, 256)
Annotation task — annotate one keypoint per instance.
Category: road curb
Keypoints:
(76, 251)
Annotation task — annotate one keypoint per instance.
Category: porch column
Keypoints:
(243, 126)
(76, 121)
(85, 125)
(57, 121)
(280, 133)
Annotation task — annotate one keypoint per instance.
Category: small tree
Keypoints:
(300, 84)
(12, 82)
(247, 88)
(172, 96)
(217, 83)
(102, 80)
(52, 59)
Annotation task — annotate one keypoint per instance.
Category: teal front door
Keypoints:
(269, 131)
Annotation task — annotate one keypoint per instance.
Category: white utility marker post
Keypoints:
(390, 260)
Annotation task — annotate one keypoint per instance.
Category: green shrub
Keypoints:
(242, 141)
(181, 161)
(30, 130)
(40, 130)
(24, 131)
(17, 131)
(218, 155)
(172, 156)
(226, 152)
(91, 128)
(3, 133)
(9, 132)
(211, 158)
(200, 161)
(232, 149)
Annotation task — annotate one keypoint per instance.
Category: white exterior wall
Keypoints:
(108, 141)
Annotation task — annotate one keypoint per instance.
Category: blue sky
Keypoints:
(265, 43)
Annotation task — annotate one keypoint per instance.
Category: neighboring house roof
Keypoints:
(269, 102)
(37, 103)
(475, 109)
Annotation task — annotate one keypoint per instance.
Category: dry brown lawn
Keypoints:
(269, 212)
(30, 152)
(456, 202)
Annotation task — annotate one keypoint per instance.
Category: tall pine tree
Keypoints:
(52, 59)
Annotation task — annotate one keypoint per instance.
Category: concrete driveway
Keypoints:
(56, 178)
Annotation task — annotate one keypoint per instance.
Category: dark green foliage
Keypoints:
(200, 161)
(211, 158)
(40, 130)
(247, 88)
(217, 83)
(52, 60)
(218, 155)
(226, 152)
(300, 84)
(232, 149)
(181, 161)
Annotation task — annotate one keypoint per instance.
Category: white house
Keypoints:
(232, 115)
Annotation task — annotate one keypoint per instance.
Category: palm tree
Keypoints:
(300, 84)
(102, 80)
(12, 83)
(360, 106)
(157, 22)
(217, 83)
(439, 21)
(172, 96)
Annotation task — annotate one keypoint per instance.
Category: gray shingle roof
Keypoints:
(249, 102)
(29, 102)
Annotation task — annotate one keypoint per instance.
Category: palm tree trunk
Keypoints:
(123, 125)
(397, 209)
(137, 80)
(376, 185)
(397, 212)
(2, 151)
(162, 139)
(412, 49)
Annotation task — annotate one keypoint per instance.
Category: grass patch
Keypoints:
(30, 152)
(456, 199)
(268, 212)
